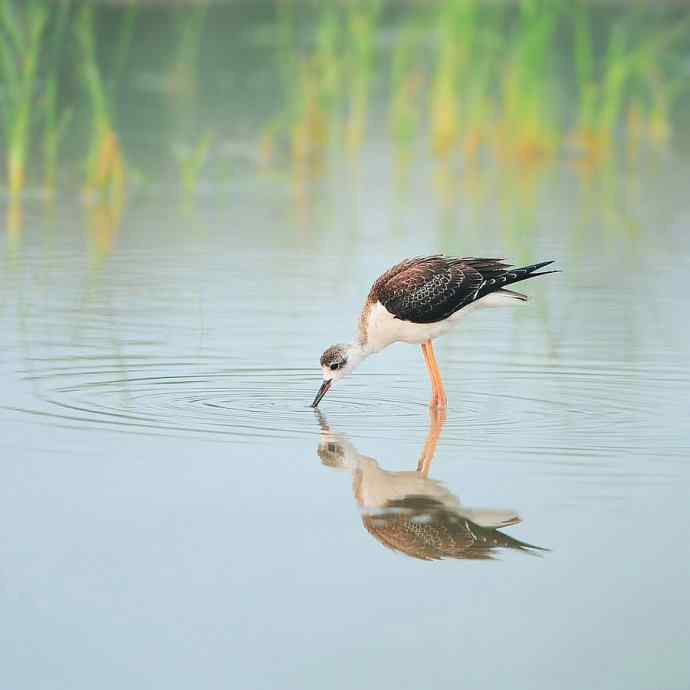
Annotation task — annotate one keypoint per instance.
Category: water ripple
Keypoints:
(596, 410)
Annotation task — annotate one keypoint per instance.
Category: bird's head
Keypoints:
(337, 362)
(335, 450)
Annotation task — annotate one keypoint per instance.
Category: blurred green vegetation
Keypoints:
(86, 89)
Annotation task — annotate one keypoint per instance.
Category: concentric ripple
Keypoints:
(594, 411)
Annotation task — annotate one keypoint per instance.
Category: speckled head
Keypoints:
(335, 357)
(336, 363)
(331, 452)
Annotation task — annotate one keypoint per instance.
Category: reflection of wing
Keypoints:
(491, 519)
(426, 529)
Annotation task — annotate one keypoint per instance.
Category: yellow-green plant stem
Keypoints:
(20, 47)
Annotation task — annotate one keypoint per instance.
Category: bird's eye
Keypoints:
(335, 365)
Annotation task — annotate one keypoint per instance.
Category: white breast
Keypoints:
(377, 487)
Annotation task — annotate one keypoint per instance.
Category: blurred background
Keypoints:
(194, 201)
(108, 101)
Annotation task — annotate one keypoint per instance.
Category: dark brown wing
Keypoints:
(423, 528)
(431, 288)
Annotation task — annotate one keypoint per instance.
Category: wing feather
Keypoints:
(431, 288)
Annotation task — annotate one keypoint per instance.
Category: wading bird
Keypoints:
(418, 300)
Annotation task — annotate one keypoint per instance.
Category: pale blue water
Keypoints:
(167, 521)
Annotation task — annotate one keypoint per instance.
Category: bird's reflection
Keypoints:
(407, 511)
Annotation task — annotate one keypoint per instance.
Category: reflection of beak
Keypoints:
(323, 422)
(322, 391)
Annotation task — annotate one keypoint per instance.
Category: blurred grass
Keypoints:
(475, 84)
(21, 40)
(627, 87)
(55, 120)
(105, 167)
(528, 130)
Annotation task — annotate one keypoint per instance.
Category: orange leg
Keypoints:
(438, 397)
(441, 399)
(438, 419)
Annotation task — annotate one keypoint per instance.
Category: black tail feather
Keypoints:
(514, 275)
(535, 267)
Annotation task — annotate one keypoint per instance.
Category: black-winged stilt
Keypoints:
(418, 300)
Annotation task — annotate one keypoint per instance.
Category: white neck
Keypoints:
(356, 354)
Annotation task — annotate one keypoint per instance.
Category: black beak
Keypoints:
(322, 391)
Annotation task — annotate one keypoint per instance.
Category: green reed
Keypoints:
(191, 163)
(313, 101)
(21, 40)
(601, 87)
(407, 80)
(528, 128)
(481, 82)
(445, 96)
(190, 26)
(654, 80)
(313, 78)
(488, 79)
(326, 82)
(105, 166)
(55, 120)
(361, 24)
(629, 87)
(190, 147)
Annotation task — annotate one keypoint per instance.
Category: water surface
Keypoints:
(174, 515)
(168, 517)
